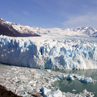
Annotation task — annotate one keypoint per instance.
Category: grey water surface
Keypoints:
(77, 86)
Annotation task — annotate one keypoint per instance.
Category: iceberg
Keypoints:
(48, 93)
(45, 91)
(56, 93)
(86, 80)
(49, 53)
(70, 77)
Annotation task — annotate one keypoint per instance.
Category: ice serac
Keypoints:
(67, 53)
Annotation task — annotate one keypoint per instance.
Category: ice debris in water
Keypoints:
(70, 77)
(48, 93)
(57, 93)
(60, 78)
(86, 80)
(80, 78)
(44, 91)
(48, 71)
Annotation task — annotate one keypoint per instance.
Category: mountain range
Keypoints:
(17, 30)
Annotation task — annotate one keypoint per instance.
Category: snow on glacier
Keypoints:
(53, 53)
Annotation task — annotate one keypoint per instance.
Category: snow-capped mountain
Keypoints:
(15, 30)
(80, 31)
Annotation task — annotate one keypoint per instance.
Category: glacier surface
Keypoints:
(53, 53)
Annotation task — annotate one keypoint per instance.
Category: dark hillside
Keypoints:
(8, 30)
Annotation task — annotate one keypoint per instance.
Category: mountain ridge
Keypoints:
(18, 30)
(6, 28)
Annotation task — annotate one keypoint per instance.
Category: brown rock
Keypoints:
(5, 93)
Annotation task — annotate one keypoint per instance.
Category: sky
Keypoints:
(50, 13)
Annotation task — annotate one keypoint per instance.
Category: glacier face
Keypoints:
(64, 53)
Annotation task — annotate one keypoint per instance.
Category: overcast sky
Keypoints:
(50, 13)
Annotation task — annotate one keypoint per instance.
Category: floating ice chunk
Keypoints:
(55, 79)
(64, 76)
(32, 82)
(70, 77)
(60, 78)
(90, 95)
(48, 93)
(44, 91)
(78, 77)
(83, 79)
(73, 90)
(29, 88)
(56, 93)
(48, 71)
(86, 80)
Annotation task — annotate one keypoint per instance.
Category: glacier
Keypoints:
(49, 53)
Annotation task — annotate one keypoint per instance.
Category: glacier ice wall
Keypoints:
(67, 53)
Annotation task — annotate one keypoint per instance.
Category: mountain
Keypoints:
(17, 30)
(12, 29)
(80, 31)
(89, 31)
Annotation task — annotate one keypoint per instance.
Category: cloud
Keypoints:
(89, 19)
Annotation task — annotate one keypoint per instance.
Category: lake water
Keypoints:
(69, 86)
